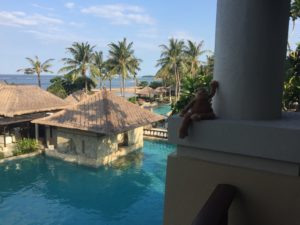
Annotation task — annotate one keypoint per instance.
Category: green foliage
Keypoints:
(62, 86)
(291, 88)
(1, 155)
(155, 84)
(132, 100)
(291, 94)
(80, 62)
(37, 67)
(295, 10)
(189, 88)
(122, 61)
(57, 87)
(26, 145)
(143, 84)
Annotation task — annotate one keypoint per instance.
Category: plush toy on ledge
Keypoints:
(198, 109)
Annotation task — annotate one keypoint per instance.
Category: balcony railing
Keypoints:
(215, 210)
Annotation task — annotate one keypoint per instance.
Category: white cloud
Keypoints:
(16, 18)
(61, 35)
(42, 7)
(70, 5)
(120, 14)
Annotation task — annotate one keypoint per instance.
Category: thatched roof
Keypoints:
(160, 90)
(24, 99)
(145, 91)
(103, 113)
(3, 82)
(76, 97)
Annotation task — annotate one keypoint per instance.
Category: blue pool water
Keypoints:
(45, 191)
(162, 109)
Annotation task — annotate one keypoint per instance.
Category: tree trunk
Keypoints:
(176, 84)
(123, 82)
(100, 84)
(110, 84)
(121, 85)
(39, 79)
(85, 83)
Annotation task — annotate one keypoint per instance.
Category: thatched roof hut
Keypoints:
(160, 90)
(18, 100)
(146, 91)
(76, 97)
(103, 113)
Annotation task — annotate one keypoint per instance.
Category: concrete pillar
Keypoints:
(250, 48)
(36, 129)
(47, 136)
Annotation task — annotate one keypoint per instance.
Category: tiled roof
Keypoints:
(25, 99)
(103, 113)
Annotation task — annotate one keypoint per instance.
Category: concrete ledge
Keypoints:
(274, 140)
(92, 162)
(263, 198)
(20, 156)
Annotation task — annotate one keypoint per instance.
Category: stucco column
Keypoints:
(47, 136)
(36, 129)
(250, 48)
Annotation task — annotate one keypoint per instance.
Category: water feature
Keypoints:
(45, 191)
(162, 109)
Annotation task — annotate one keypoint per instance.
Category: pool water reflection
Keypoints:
(42, 190)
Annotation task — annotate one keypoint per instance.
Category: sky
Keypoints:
(46, 28)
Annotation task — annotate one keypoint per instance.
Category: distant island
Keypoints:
(148, 76)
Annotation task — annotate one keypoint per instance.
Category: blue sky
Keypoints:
(46, 28)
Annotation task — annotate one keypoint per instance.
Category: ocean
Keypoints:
(45, 80)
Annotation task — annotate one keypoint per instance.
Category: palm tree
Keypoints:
(192, 52)
(37, 67)
(98, 67)
(171, 59)
(110, 71)
(122, 61)
(81, 61)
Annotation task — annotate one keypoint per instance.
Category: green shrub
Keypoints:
(155, 84)
(26, 145)
(188, 89)
(132, 100)
(143, 84)
(1, 155)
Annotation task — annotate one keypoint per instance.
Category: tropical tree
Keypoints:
(37, 67)
(110, 71)
(62, 86)
(192, 53)
(98, 69)
(189, 89)
(81, 61)
(122, 61)
(172, 59)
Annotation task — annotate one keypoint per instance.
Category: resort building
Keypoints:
(97, 130)
(19, 105)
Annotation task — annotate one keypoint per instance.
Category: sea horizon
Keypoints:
(45, 80)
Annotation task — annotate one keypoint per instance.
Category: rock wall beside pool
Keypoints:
(92, 149)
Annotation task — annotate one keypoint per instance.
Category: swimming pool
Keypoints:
(45, 191)
(162, 109)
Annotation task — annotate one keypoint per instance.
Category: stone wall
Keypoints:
(92, 149)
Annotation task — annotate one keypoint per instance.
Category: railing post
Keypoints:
(215, 210)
